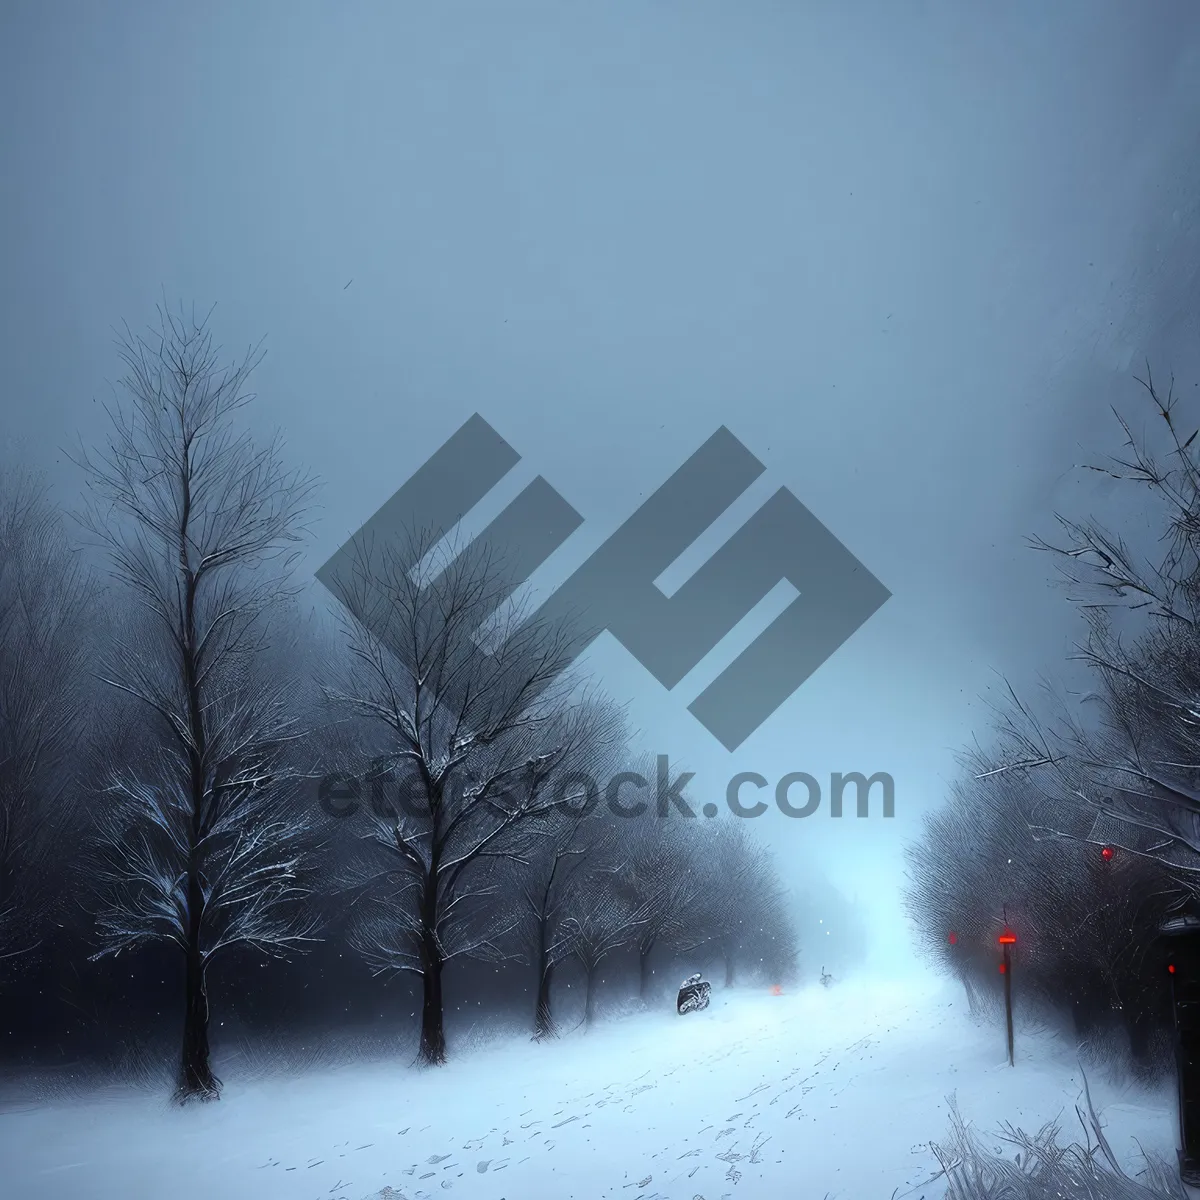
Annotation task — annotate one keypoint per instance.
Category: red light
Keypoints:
(953, 939)
(1171, 968)
(1007, 938)
(1107, 853)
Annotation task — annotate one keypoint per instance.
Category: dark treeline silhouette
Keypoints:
(1077, 821)
(171, 721)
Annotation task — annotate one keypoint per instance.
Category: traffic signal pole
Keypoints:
(1008, 940)
(1008, 1000)
(1182, 942)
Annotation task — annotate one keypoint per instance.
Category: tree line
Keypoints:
(166, 711)
(1076, 818)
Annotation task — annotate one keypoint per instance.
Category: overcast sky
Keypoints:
(908, 252)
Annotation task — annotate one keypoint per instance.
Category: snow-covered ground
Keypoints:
(820, 1093)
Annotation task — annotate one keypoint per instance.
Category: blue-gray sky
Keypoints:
(908, 253)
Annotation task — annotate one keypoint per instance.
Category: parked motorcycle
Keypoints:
(693, 994)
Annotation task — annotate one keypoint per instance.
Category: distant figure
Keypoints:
(826, 979)
(693, 994)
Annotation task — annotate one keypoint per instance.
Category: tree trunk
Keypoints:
(433, 1031)
(543, 1020)
(196, 1078)
(589, 997)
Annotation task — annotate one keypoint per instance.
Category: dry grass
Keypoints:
(1042, 1168)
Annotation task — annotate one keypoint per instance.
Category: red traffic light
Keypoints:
(1007, 938)
(1171, 968)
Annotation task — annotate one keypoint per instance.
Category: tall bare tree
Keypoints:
(1083, 816)
(739, 903)
(571, 843)
(45, 615)
(482, 728)
(203, 844)
(1131, 757)
(660, 876)
(770, 945)
(602, 921)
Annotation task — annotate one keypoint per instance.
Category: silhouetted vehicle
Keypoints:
(693, 994)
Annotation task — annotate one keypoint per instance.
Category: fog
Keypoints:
(908, 254)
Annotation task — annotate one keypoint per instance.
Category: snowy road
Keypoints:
(761, 1097)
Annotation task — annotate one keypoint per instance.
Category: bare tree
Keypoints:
(484, 728)
(1101, 568)
(601, 921)
(1086, 922)
(1080, 823)
(729, 900)
(202, 842)
(769, 943)
(1136, 766)
(571, 843)
(44, 618)
(661, 877)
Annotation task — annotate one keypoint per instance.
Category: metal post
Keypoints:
(1008, 940)
(1008, 999)
(1182, 935)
